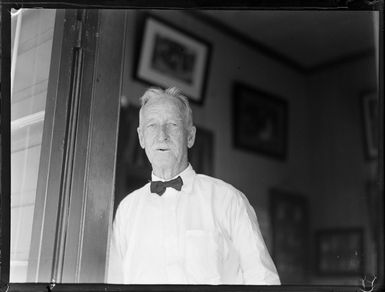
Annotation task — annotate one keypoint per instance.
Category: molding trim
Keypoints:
(367, 53)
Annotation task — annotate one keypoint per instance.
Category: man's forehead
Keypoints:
(163, 101)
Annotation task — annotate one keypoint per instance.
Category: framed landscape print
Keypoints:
(171, 57)
(260, 121)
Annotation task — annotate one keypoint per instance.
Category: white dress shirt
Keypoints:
(207, 233)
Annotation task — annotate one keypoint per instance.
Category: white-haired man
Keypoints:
(184, 227)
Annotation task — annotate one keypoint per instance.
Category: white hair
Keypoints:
(172, 92)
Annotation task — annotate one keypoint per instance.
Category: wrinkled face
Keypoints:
(164, 135)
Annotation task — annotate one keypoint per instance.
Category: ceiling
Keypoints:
(307, 39)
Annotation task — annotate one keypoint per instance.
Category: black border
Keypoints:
(283, 103)
(165, 4)
(142, 29)
(5, 143)
(203, 4)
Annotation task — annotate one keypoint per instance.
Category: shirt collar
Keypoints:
(187, 176)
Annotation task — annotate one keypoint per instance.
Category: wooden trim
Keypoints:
(71, 137)
(101, 145)
(76, 175)
(73, 224)
(52, 158)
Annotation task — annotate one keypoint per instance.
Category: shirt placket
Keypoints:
(173, 265)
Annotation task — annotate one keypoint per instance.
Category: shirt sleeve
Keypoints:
(115, 263)
(257, 265)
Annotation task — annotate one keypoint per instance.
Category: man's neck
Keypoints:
(168, 173)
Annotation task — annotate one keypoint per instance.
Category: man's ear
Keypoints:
(191, 137)
(140, 136)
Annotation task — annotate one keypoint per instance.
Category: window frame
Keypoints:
(78, 148)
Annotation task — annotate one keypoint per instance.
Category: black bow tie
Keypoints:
(159, 187)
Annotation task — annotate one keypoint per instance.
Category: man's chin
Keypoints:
(163, 161)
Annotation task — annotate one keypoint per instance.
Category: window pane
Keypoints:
(32, 35)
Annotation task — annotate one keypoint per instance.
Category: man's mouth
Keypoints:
(163, 149)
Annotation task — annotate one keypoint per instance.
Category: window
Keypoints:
(32, 35)
(63, 141)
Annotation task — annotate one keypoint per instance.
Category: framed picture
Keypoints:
(260, 121)
(171, 57)
(201, 155)
(133, 170)
(339, 252)
(289, 219)
(370, 122)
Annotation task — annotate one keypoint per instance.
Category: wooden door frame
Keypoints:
(74, 200)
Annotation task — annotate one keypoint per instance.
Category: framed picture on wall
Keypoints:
(201, 155)
(370, 116)
(339, 252)
(289, 219)
(172, 57)
(133, 170)
(260, 121)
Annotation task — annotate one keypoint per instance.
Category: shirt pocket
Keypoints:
(203, 256)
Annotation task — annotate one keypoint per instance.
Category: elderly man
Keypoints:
(184, 227)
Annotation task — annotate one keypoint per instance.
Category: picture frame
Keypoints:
(172, 57)
(201, 155)
(370, 114)
(339, 252)
(260, 121)
(133, 170)
(289, 213)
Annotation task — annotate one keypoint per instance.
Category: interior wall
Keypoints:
(341, 173)
(325, 156)
(254, 174)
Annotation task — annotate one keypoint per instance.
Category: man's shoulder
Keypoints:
(217, 183)
(221, 193)
(133, 196)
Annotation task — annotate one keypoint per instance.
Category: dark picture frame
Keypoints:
(201, 155)
(170, 56)
(260, 121)
(289, 215)
(339, 252)
(370, 115)
(133, 170)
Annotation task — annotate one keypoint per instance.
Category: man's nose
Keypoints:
(163, 133)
